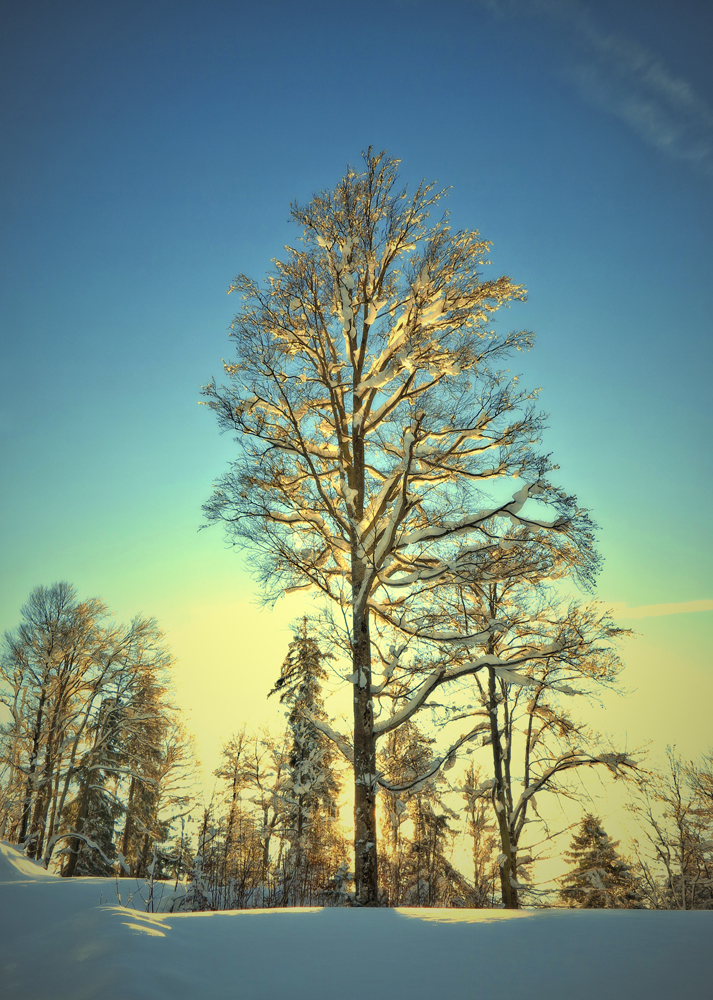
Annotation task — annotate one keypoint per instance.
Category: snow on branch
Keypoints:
(395, 661)
(502, 667)
(339, 741)
(511, 509)
(615, 762)
(445, 761)
(87, 840)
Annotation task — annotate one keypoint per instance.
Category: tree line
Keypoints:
(97, 777)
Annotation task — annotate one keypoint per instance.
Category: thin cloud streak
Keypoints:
(623, 78)
(658, 610)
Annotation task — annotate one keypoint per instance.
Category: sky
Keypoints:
(150, 153)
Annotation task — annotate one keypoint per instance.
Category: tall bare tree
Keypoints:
(373, 407)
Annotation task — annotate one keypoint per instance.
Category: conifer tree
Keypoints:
(312, 809)
(95, 809)
(404, 758)
(416, 831)
(482, 836)
(599, 878)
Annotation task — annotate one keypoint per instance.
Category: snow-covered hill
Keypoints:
(68, 939)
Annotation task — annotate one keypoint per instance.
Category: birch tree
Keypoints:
(45, 664)
(373, 410)
(87, 706)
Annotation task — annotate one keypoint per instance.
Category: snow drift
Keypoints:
(69, 939)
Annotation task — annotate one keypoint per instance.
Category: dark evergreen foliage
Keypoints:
(599, 878)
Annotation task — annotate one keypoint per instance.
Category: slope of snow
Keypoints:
(58, 943)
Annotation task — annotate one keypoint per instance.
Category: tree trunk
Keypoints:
(14, 771)
(39, 819)
(508, 868)
(53, 815)
(44, 791)
(75, 843)
(365, 856)
(43, 799)
(143, 862)
(266, 848)
(29, 786)
(128, 826)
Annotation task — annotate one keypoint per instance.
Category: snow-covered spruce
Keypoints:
(598, 878)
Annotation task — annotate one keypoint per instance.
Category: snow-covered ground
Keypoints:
(69, 939)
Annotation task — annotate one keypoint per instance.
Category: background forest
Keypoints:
(99, 778)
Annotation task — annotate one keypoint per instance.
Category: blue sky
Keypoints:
(150, 153)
